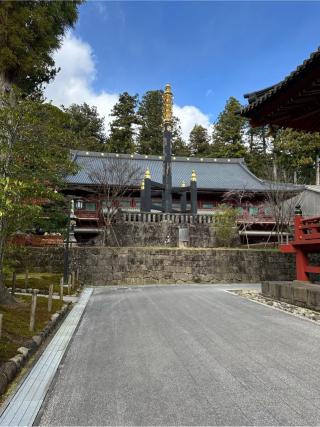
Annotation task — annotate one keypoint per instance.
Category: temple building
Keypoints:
(219, 181)
(292, 103)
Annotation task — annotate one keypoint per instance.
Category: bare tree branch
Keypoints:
(115, 178)
(281, 200)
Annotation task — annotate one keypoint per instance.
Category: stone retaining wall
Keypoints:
(166, 234)
(44, 259)
(159, 234)
(110, 266)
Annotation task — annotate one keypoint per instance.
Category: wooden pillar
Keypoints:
(50, 298)
(14, 279)
(26, 280)
(33, 311)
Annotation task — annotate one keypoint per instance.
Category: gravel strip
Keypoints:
(279, 305)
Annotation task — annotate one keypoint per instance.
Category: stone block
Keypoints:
(24, 351)
(299, 295)
(18, 360)
(3, 382)
(31, 345)
(9, 369)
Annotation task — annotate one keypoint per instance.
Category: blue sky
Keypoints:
(208, 51)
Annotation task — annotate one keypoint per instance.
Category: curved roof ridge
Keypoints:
(245, 167)
(159, 157)
(257, 97)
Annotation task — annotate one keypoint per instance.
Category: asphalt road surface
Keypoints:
(186, 355)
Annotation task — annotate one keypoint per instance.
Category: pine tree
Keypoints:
(122, 132)
(258, 156)
(199, 141)
(179, 147)
(227, 137)
(150, 118)
(30, 32)
(85, 122)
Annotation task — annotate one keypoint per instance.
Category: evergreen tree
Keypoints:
(30, 32)
(122, 132)
(179, 147)
(295, 153)
(259, 156)
(88, 127)
(150, 118)
(227, 137)
(34, 160)
(199, 141)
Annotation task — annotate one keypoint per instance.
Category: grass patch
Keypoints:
(40, 281)
(15, 325)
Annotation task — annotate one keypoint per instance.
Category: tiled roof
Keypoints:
(260, 96)
(212, 174)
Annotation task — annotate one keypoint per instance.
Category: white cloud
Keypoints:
(73, 84)
(190, 116)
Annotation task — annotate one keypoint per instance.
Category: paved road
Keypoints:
(188, 355)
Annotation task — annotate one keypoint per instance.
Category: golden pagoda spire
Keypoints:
(147, 175)
(167, 104)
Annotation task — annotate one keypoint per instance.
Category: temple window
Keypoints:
(207, 205)
(90, 206)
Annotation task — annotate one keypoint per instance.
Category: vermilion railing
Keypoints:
(306, 241)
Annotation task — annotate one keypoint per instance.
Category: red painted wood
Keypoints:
(313, 269)
(307, 240)
(287, 249)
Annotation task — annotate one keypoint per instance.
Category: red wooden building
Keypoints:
(216, 179)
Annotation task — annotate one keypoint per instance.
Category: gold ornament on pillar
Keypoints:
(167, 104)
(147, 175)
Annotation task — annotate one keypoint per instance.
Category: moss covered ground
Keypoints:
(40, 281)
(16, 319)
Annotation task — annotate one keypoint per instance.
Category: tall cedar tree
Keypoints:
(87, 126)
(150, 118)
(227, 137)
(122, 128)
(150, 137)
(30, 32)
(199, 141)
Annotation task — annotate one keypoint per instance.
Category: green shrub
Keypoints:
(226, 226)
